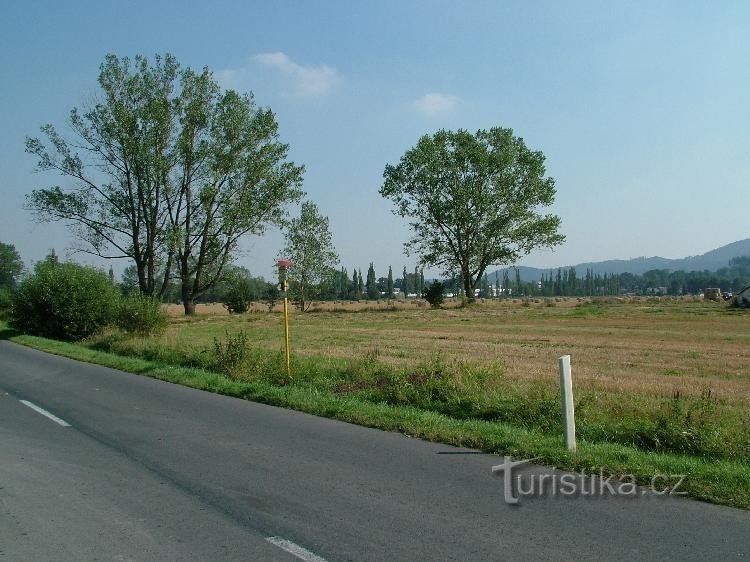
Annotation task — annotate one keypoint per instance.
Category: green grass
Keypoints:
(700, 425)
(320, 388)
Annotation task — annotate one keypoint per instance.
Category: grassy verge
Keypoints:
(720, 481)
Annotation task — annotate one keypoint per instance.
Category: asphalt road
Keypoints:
(148, 470)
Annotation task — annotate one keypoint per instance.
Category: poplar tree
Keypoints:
(506, 283)
(372, 285)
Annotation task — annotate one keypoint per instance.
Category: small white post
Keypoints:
(566, 392)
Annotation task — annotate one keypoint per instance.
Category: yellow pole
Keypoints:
(284, 285)
(286, 334)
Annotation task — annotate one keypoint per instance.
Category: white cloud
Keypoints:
(433, 104)
(229, 78)
(306, 80)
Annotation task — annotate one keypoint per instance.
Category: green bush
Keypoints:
(238, 297)
(141, 315)
(6, 299)
(231, 355)
(64, 301)
(434, 294)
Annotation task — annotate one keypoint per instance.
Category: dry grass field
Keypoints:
(648, 347)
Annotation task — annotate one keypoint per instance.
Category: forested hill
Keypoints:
(711, 261)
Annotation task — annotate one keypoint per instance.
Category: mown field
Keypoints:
(647, 347)
(661, 385)
(667, 375)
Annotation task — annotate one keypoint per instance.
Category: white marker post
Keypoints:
(566, 392)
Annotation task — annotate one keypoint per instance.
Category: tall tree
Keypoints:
(355, 285)
(506, 283)
(117, 160)
(344, 284)
(11, 265)
(309, 245)
(232, 179)
(473, 200)
(406, 283)
(390, 282)
(371, 285)
(484, 287)
(167, 170)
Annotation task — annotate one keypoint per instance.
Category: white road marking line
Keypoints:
(295, 549)
(45, 413)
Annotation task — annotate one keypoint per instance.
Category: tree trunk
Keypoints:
(468, 289)
(188, 297)
(189, 307)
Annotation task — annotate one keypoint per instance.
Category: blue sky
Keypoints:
(641, 109)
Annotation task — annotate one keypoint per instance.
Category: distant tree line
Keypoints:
(567, 282)
(335, 284)
(338, 284)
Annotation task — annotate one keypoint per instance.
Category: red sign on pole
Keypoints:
(284, 264)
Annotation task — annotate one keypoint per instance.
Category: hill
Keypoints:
(711, 261)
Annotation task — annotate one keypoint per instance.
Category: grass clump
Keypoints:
(230, 354)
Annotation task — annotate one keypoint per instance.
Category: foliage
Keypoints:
(233, 179)
(64, 301)
(230, 354)
(6, 300)
(117, 161)
(371, 286)
(657, 282)
(310, 247)
(239, 292)
(434, 294)
(11, 266)
(271, 295)
(472, 200)
(141, 315)
(167, 170)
